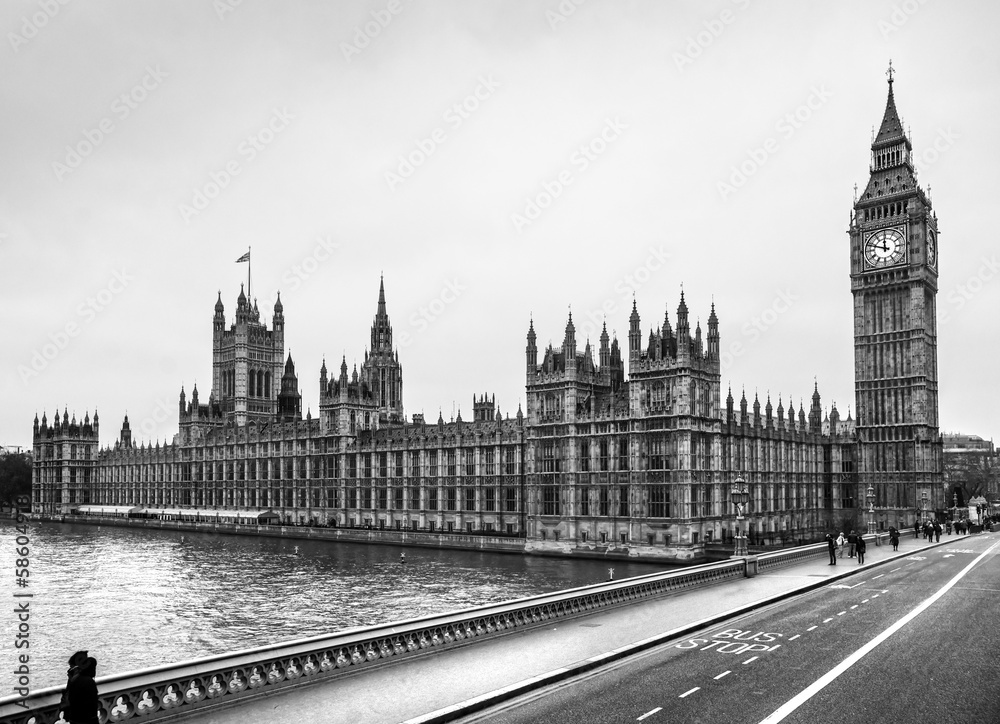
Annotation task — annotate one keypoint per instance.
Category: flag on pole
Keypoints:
(245, 257)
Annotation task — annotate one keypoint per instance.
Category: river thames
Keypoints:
(140, 598)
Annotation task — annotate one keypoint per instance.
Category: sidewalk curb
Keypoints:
(484, 701)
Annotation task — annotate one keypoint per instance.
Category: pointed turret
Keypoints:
(289, 398)
(815, 411)
(634, 334)
(531, 352)
(381, 328)
(604, 357)
(713, 335)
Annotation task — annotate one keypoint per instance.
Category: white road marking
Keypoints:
(802, 697)
(811, 628)
(878, 576)
(854, 606)
(875, 596)
(896, 569)
(690, 691)
(794, 637)
(752, 658)
(842, 613)
(866, 600)
(650, 713)
(724, 673)
(948, 555)
(828, 620)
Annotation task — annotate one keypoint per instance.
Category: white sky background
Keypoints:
(688, 114)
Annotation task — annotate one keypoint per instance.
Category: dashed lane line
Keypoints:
(752, 658)
(724, 673)
(650, 713)
(794, 637)
(689, 692)
(811, 628)
(821, 683)
(828, 620)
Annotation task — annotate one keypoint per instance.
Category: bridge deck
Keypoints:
(422, 689)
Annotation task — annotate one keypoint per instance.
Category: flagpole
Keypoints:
(249, 295)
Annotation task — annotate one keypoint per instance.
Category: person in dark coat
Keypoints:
(81, 695)
(852, 542)
(832, 545)
(75, 662)
(859, 548)
(894, 538)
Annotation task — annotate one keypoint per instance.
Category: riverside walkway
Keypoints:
(443, 686)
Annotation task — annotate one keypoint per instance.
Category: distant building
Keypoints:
(971, 469)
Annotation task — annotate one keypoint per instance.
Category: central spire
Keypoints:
(381, 313)
(381, 328)
(891, 130)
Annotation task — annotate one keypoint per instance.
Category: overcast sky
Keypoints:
(497, 162)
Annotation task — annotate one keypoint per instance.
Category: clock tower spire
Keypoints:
(894, 273)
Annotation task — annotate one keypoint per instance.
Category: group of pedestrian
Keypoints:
(931, 531)
(80, 704)
(963, 526)
(852, 541)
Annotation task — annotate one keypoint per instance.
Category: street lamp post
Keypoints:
(923, 506)
(870, 497)
(740, 497)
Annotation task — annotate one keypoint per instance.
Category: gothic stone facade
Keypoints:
(600, 460)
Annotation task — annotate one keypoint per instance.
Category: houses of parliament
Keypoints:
(628, 451)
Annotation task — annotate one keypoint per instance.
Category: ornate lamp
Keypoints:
(870, 497)
(740, 496)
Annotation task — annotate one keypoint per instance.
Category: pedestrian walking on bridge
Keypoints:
(860, 548)
(894, 538)
(82, 703)
(832, 546)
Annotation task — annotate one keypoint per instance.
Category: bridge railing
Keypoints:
(190, 686)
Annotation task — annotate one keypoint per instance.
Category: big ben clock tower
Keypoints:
(894, 272)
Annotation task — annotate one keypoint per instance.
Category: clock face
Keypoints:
(931, 248)
(884, 248)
